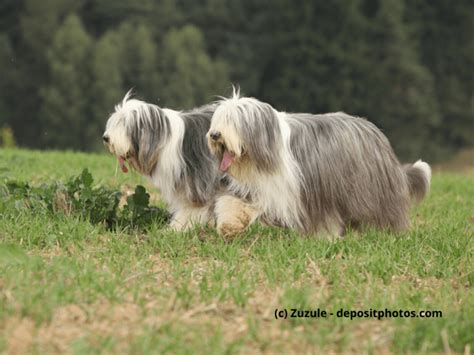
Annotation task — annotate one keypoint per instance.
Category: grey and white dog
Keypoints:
(170, 148)
(315, 173)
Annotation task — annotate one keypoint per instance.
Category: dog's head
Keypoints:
(136, 132)
(245, 135)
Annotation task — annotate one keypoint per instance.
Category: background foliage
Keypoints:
(406, 65)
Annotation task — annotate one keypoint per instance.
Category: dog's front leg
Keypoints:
(189, 216)
(233, 216)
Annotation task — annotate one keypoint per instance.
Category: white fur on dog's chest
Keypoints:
(276, 196)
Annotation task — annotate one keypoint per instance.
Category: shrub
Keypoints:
(78, 197)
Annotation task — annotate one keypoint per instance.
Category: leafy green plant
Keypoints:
(138, 212)
(78, 196)
(97, 204)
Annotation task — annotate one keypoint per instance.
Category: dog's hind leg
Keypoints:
(332, 229)
(233, 215)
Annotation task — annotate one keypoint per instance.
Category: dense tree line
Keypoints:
(406, 65)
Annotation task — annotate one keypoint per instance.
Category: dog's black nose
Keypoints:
(105, 138)
(215, 135)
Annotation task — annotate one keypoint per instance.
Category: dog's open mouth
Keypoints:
(227, 160)
(122, 161)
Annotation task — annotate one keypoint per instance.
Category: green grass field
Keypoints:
(69, 286)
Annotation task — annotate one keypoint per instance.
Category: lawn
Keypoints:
(67, 285)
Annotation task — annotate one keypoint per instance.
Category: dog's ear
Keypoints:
(262, 137)
(148, 135)
(148, 151)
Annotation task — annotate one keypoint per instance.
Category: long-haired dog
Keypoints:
(170, 148)
(315, 173)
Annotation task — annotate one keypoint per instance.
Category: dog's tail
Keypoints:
(419, 179)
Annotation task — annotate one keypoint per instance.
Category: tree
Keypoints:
(101, 16)
(139, 62)
(238, 33)
(65, 114)
(190, 76)
(406, 65)
(37, 26)
(107, 84)
(6, 57)
(401, 97)
(444, 34)
(318, 66)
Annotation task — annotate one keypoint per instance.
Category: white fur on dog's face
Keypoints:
(116, 132)
(229, 139)
(227, 122)
(245, 134)
(227, 147)
(136, 133)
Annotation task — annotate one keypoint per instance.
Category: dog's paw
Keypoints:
(230, 229)
(177, 225)
(233, 216)
(189, 217)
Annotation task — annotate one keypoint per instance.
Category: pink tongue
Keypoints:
(227, 161)
(122, 164)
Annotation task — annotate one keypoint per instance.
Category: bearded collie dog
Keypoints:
(170, 148)
(316, 173)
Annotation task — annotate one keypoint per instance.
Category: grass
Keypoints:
(69, 286)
